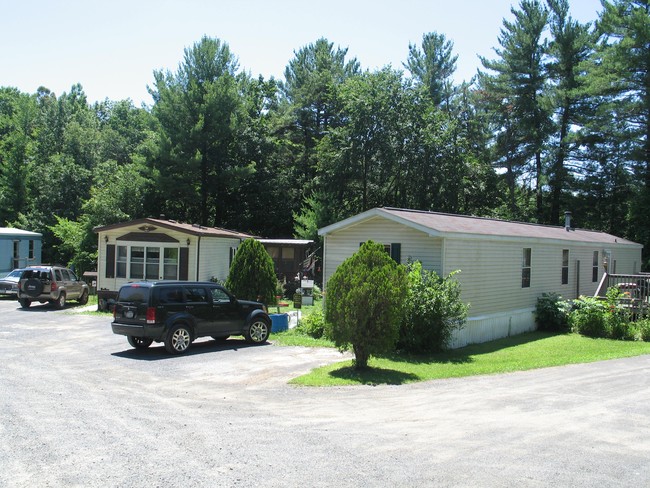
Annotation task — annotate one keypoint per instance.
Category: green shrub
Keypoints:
(551, 313)
(622, 328)
(364, 305)
(589, 317)
(644, 329)
(252, 274)
(433, 311)
(313, 324)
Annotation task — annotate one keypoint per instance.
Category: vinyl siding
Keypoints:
(7, 252)
(416, 245)
(215, 258)
(490, 274)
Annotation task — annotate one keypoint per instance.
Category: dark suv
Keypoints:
(54, 284)
(178, 312)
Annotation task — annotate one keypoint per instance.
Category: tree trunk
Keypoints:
(559, 176)
(361, 357)
(538, 186)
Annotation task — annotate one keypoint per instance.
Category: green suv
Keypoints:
(177, 312)
(53, 284)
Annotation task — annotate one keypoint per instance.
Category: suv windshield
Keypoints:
(134, 294)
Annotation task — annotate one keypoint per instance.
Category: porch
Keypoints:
(635, 290)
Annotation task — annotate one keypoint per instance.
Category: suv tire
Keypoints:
(25, 302)
(59, 303)
(33, 287)
(83, 299)
(257, 332)
(178, 339)
(139, 342)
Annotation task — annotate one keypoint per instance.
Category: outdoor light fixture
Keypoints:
(188, 241)
(105, 238)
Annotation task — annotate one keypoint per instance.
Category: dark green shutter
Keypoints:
(110, 260)
(183, 271)
(396, 252)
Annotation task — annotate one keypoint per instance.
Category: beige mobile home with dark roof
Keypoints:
(505, 266)
(160, 249)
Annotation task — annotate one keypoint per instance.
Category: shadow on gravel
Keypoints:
(157, 351)
(48, 307)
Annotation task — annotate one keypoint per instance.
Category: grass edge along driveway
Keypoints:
(519, 353)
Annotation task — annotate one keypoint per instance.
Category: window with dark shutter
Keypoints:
(110, 260)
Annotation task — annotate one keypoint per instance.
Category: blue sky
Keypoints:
(113, 47)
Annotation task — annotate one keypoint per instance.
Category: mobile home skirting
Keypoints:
(494, 326)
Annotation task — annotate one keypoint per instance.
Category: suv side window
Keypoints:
(73, 277)
(64, 274)
(57, 274)
(220, 296)
(171, 294)
(196, 294)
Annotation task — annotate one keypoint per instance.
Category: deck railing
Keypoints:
(635, 290)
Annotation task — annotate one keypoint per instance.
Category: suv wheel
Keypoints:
(83, 299)
(257, 332)
(60, 302)
(139, 342)
(25, 302)
(178, 339)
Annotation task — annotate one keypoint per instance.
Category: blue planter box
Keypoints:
(279, 322)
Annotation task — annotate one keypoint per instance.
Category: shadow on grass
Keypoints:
(374, 376)
(465, 354)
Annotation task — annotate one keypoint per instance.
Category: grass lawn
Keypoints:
(519, 353)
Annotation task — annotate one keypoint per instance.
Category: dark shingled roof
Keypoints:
(192, 229)
(445, 225)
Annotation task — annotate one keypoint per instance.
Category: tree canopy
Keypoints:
(558, 119)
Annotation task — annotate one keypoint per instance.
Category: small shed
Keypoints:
(290, 256)
(19, 248)
(504, 266)
(162, 249)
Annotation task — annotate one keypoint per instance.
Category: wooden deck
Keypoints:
(635, 291)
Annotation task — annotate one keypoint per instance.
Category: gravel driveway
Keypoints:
(80, 408)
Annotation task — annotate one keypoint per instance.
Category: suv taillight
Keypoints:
(54, 286)
(151, 315)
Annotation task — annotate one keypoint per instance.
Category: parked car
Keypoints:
(54, 284)
(9, 283)
(178, 312)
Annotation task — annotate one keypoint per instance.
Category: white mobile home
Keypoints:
(161, 249)
(505, 266)
(18, 249)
